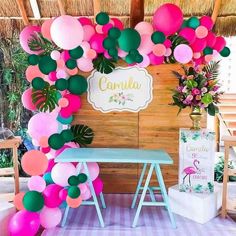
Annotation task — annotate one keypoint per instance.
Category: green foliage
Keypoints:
(210, 187)
(212, 70)
(83, 135)
(103, 64)
(5, 161)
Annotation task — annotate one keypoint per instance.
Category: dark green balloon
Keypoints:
(184, 24)
(61, 84)
(71, 64)
(33, 59)
(67, 135)
(48, 178)
(33, 201)
(102, 18)
(158, 37)
(225, 52)
(113, 52)
(55, 141)
(73, 180)
(47, 65)
(38, 83)
(138, 58)
(73, 192)
(109, 43)
(129, 39)
(134, 52)
(207, 51)
(130, 59)
(77, 84)
(114, 33)
(82, 178)
(76, 53)
(193, 22)
(65, 121)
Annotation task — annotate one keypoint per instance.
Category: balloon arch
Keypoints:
(58, 51)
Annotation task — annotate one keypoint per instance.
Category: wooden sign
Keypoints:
(196, 163)
(125, 89)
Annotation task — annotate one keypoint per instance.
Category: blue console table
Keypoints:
(154, 158)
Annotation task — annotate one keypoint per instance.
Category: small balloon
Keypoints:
(73, 202)
(50, 217)
(36, 183)
(18, 201)
(144, 28)
(183, 53)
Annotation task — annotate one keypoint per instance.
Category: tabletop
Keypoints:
(114, 155)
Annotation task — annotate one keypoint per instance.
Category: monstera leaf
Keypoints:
(45, 99)
(103, 65)
(83, 135)
(212, 70)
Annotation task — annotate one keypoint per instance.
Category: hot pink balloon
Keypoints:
(198, 61)
(74, 105)
(52, 76)
(167, 43)
(219, 44)
(201, 32)
(210, 39)
(85, 64)
(89, 31)
(117, 23)
(106, 28)
(51, 195)
(144, 28)
(188, 34)
(85, 21)
(63, 194)
(96, 42)
(67, 32)
(50, 217)
(207, 22)
(146, 44)
(26, 34)
(98, 185)
(51, 163)
(26, 99)
(65, 55)
(36, 183)
(183, 53)
(46, 26)
(168, 18)
(198, 45)
(32, 72)
(154, 60)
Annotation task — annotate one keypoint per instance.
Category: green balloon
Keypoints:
(73, 180)
(158, 37)
(102, 18)
(138, 58)
(184, 24)
(113, 52)
(82, 178)
(109, 43)
(129, 39)
(76, 53)
(207, 51)
(65, 121)
(130, 59)
(33, 201)
(67, 135)
(114, 33)
(38, 83)
(193, 22)
(56, 141)
(48, 178)
(47, 65)
(225, 52)
(73, 192)
(71, 64)
(61, 84)
(77, 84)
(33, 59)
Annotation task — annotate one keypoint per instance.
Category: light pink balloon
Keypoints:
(26, 34)
(85, 64)
(93, 170)
(91, 54)
(154, 60)
(62, 74)
(168, 52)
(55, 55)
(89, 31)
(26, 99)
(188, 34)
(50, 217)
(207, 22)
(86, 195)
(85, 45)
(201, 32)
(46, 26)
(196, 55)
(208, 58)
(146, 44)
(99, 29)
(67, 32)
(144, 28)
(83, 188)
(159, 49)
(145, 62)
(36, 183)
(183, 53)
(122, 53)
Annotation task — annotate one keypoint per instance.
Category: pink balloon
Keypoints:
(219, 44)
(106, 28)
(198, 45)
(26, 99)
(168, 18)
(201, 32)
(89, 31)
(85, 45)
(85, 64)
(67, 32)
(167, 43)
(55, 55)
(117, 23)
(208, 58)
(52, 76)
(85, 21)
(146, 44)
(145, 63)
(144, 28)
(63, 194)
(46, 26)
(98, 29)
(26, 34)
(98, 185)
(36, 183)
(168, 52)
(159, 50)
(122, 53)
(32, 72)
(106, 54)
(198, 61)
(74, 105)
(207, 22)
(96, 42)
(51, 195)
(24, 223)
(83, 188)
(51, 163)
(65, 55)
(93, 170)
(50, 217)
(196, 55)
(154, 60)
(91, 54)
(61, 74)
(86, 195)
(210, 39)
(183, 53)
(188, 34)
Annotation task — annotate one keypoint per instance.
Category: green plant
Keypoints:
(103, 65)
(5, 161)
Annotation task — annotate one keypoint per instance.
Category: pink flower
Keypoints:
(185, 89)
(195, 91)
(179, 88)
(189, 97)
(204, 90)
(212, 93)
(215, 88)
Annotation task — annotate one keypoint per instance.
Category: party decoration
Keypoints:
(183, 53)
(98, 185)
(73, 192)
(67, 135)
(144, 28)
(55, 141)
(27, 100)
(51, 195)
(225, 52)
(103, 65)
(193, 22)
(158, 37)
(18, 201)
(188, 34)
(102, 18)
(36, 183)
(93, 170)
(207, 22)
(74, 180)
(73, 202)
(33, 201)
(50, 217)
(77, 84)
(82, 178)
(38, 83)
(77, 52)
(114, 33)
(47, 64)
(33, 59)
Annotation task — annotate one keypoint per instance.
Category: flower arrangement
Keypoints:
(198, 88)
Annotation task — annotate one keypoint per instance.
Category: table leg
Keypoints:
(16, 169)
(139, 185)
(164, 194)
(152, 195)
(94, 195)
(143, 195)
(103, 201)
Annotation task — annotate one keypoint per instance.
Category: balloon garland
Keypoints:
(58, 50)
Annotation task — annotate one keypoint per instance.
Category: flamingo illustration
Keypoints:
(191, 170)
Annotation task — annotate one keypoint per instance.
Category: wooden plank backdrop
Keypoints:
(156, 127)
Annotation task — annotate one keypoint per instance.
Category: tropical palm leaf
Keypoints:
(212, 70)
(83, 135)
(103, 64)
(45, 99)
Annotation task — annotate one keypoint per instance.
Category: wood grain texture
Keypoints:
(156, 127)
